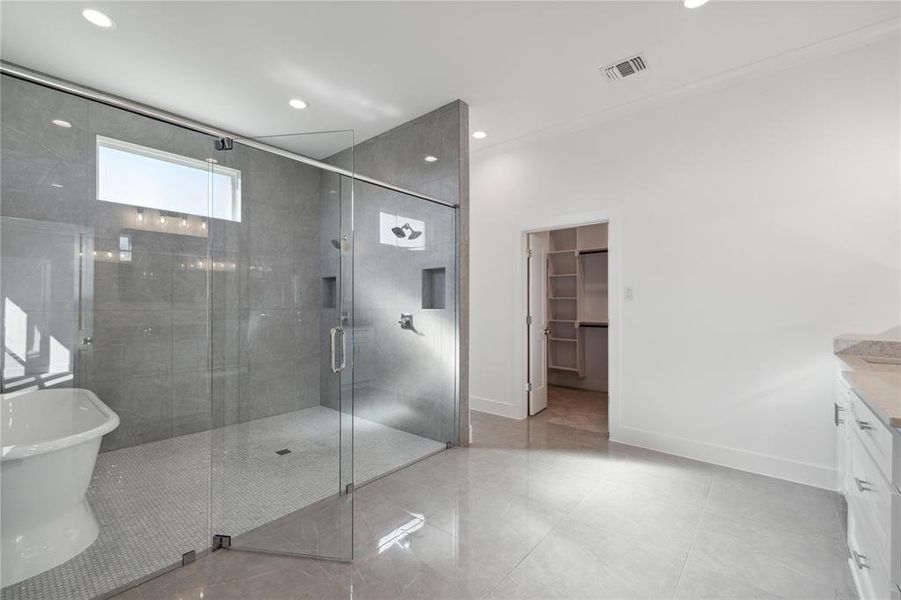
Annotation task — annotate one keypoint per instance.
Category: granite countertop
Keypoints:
(877, 383)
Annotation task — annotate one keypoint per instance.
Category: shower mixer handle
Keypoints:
(406, 321)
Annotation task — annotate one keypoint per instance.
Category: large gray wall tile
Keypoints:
(406, 379)
(240, 298)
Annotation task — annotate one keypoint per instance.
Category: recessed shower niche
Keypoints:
(329, 292)
(433, 288)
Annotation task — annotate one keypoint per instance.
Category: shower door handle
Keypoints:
(331, 338)
(343, 350)
(337, 368)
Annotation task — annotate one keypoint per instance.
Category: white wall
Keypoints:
(756, 221)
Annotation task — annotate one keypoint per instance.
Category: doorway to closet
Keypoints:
(568, 326)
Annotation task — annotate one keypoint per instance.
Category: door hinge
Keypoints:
(529, 387)
(528, 253)
(529, 320)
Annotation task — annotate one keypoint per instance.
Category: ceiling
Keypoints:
(369, 66)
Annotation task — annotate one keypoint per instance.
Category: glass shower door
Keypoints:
(282, 348)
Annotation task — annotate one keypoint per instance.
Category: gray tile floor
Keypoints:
(537, 510)
(153, 501)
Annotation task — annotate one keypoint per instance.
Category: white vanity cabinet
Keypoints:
(869, 472)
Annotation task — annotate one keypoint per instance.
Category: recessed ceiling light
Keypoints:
(57, 185)
(297, 103)
(479, 135)
(61, 123)
(431, 158)
(97, 18)
(693, 3)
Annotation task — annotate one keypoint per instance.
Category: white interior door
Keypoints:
(538, 328)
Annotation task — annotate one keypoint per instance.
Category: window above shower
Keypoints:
(147, 178)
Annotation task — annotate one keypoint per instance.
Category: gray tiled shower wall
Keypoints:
(406, 379)
(166, 329)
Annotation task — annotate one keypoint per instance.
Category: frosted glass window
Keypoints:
(140, 176)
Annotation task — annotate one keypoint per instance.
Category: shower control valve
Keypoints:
(406, 321)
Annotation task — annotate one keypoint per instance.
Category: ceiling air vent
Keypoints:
(625, 68)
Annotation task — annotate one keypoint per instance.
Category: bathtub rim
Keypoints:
(20, 451)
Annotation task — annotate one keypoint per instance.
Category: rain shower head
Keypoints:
(401, 232)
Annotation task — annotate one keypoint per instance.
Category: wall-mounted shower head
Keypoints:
(225, 143)
(401, 232)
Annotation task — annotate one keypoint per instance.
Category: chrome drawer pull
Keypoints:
(863, 425)
(837, 414)
(859, 560)
(863, 485)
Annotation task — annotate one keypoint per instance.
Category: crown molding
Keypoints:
(839, 44)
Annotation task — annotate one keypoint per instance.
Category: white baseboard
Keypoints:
(494, 407)
(762, 464)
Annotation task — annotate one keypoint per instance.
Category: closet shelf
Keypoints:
(559, 368)
(576, 296)
(592, 324)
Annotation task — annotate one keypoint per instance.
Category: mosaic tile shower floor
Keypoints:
(153, 501)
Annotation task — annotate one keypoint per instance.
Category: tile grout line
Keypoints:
(694, 536)
(544, 537)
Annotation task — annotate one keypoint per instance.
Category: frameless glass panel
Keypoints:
(282, 320)
(405, 330)
(106, 330)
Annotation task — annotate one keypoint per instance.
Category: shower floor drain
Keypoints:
(283, 451)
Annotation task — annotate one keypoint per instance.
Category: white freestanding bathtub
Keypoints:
(50, 443)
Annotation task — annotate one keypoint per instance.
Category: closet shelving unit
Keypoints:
(576, 298)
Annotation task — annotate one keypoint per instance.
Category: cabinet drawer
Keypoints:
(869, 577)
(870, 496)
(875, 436)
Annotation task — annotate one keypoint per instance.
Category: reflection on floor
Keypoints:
(152, 501)
(541, 510)
(579, 409)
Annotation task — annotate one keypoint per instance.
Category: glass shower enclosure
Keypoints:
(259, 332)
